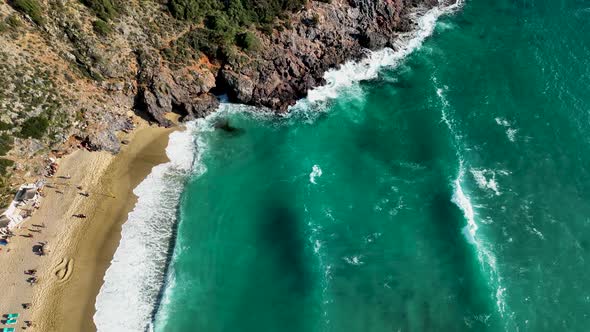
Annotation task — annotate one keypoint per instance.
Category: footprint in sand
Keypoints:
(63, 270)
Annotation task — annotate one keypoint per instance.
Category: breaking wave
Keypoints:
(461, 198)
(132, 282)
(368, 68)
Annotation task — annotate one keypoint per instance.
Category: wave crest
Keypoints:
(132, 282)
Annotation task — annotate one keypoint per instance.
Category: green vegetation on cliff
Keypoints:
(226, 23)
(104, 9)
(32, 8)
(6, 142)
(34, 127)
(239, 12)
(4, 164)
(247, 41)
(101, 27)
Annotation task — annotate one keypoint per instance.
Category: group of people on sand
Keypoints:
(39, 247)
(32, 279)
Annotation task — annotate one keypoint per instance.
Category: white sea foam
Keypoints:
(354, 260)
(368, 68)
(463, 202)
(316, 172)
(132, 282)
(317, 245)
(510, 132)
(485, 255)
(486, 180)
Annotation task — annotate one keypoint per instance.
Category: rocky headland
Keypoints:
(73, 72)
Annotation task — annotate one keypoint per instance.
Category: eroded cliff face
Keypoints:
(288, 63)
(324, 36)
(86, 80)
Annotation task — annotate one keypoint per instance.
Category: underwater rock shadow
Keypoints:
(282, 235)
(224, 126)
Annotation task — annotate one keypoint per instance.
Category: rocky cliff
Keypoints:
(73, 71)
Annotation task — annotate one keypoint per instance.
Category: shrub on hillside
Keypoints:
(239, 13)
(34, 127)
(13, 21)
(193, 10)
(32, 8)
(104, 9)
(248, 41)
(101, 27)
(6, 142)
(220, 22)
(4, 165)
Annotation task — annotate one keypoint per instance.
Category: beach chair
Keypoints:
(8, 329)
(11, 316)
(11, 321)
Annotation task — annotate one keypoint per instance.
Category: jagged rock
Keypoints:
(240, 87)
(149, 104)
(103, 140)
(294, 61)
(130, 67)
(373, 40)
(202, 106)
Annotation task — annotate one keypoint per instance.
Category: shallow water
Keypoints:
(449, 193)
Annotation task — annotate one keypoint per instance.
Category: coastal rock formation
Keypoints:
(286, 64)
(325, 35)
(71, 70)
(185, 90)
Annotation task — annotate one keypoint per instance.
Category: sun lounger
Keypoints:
(11, 321)
(12, 316)
(8, 329)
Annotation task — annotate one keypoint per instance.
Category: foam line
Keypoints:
(132, 282)
(368, 68)
(134, 279)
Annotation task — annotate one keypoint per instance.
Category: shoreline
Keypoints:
(117, 308)
(79, 251)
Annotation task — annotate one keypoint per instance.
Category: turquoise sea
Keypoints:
(449, 192)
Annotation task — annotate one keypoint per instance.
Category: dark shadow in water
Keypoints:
(281, 234)
(279, 281)
(224, 125)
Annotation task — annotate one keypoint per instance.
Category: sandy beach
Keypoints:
(78, 250)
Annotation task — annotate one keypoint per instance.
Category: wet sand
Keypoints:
(78, 250)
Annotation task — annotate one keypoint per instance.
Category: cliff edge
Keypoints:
(72, 72)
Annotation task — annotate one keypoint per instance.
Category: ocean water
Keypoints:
(442, 186)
